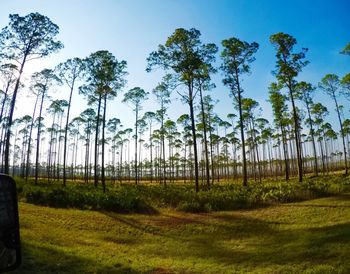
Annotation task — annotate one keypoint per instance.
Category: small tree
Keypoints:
(162, 92)
(280, 109)
(319, 112)
(330, 84)
(288, 66)
(43, 81)
(237, 56)
(113, 127)
(56, 108)
(69, 72)
(136, 96)
(88, 117)
(305, 91)
(150, 116)
(29, 147)
(203, 83)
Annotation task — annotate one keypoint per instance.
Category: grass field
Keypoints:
(305, 237)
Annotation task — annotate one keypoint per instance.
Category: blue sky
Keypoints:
(131, 29)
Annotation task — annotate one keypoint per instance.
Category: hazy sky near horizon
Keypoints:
(132, 29)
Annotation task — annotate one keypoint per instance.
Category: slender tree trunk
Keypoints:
(322, 157)
(30, 139)
(10, 117)
(194, 137)
(59, 148)
(342, 134)
(285, 152)
(241, 126)
(211, 149)
(23, 150)
(76, 155)
(184, 165)
(256, 146)
(86, 166)
(4, 100)
(66, 135)
(269, 148)
(113, 159)
(14, 154)
(120, 171)
(205, 139)
(96, 139)
(296, 135)
(326, 150)
(217, 163)
(49, 156)
(151, 150)
(38, 139)
(3, 125)
(103, 143)
(312, 133)
(163, 147)
(136, 137)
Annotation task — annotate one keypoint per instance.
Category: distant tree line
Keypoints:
(199, 146)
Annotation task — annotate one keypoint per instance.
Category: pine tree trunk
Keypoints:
(194, 137)
(38, 139)
(103, 143)
(96, 140)
(10, 117)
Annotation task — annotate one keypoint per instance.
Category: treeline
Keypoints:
(198, 146)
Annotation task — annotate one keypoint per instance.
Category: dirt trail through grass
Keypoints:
(306, 237)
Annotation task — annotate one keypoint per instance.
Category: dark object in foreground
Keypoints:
(10, 247)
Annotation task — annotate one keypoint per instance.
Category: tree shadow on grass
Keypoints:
(341, 197)
(320, 206)
(264, 246)
(131, 222)
(187, 237)
(37, 259)
(271, 245)
(238, 240)
(333, 234)
(337, 201)
(233, 240)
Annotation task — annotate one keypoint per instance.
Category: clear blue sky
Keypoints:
(131, 29)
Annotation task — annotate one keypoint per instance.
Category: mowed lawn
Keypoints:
(305, 237)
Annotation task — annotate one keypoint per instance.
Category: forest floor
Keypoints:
(303, 237)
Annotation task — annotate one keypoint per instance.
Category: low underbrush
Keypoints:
(148, 198)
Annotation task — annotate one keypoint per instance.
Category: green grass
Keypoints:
(304, 237)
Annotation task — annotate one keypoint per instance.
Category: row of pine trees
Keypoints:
(198, 146)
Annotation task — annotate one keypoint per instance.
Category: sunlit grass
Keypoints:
(306, 237)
